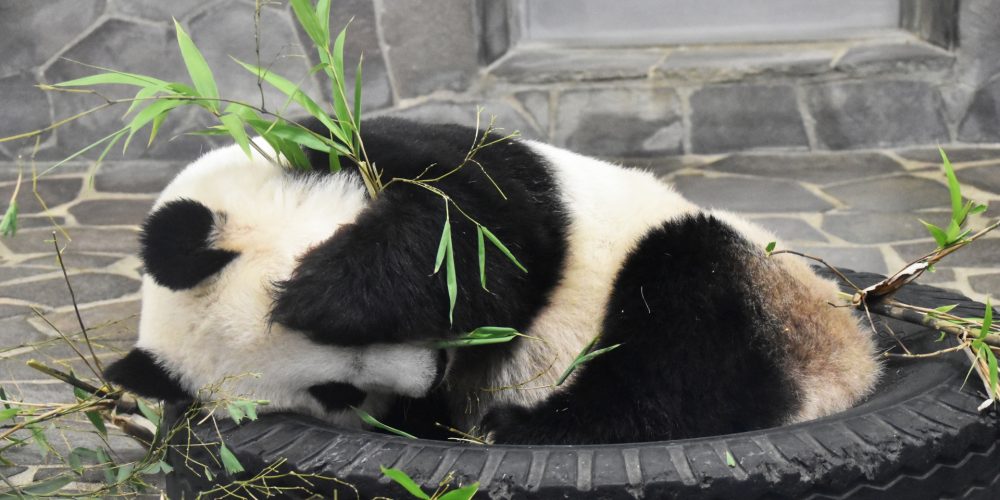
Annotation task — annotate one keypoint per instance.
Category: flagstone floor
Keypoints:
(859, 210)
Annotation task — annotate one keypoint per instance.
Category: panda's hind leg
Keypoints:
(699, 353)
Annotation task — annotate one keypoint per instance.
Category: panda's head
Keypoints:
(216, 241)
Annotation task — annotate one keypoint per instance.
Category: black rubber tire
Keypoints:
(919, 436)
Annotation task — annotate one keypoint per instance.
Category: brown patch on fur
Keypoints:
(830, 356)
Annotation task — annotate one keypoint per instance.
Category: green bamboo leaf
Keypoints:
(8, 413)
(443, 245)
(229, 461)
(940, 237)
(464, 493)
(357, 95)
(451, 279)
(197, 67)
(236, 412)
(250, 408)
(730, 459)
(150, 112)
(97, 422)
(978, 209)
(307, 19)
(77, 456)
(143, 96)
(124, 471)
(43, 488)
(481, 248)
(370, 420)
(991, 362)
(165, 467)
(483, 335)
(113, 77)
(503, 249)
(155, 127)
(323, 18)
(770, 247)
(402, 479)
(340, 85)
(582, 358)
(107, 465)
(8, 225)
(987, 321)
(148, 412)
(234, 124)
(38, 435)
(295, 94)
(297, 135)
(954, 188)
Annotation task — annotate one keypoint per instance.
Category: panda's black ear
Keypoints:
(139, 372)
(176, 249)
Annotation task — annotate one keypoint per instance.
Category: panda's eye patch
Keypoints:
(336, 396)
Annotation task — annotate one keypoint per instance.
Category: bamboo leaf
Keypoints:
(443, 245)
(108, 465)
(113, 77)
(229, 461)
(307, 19)
(451, 279)
(339, 89)
(400, 478)
(503, 249)
(991, 362)
(481, 248)
(954, 188)
(234, 124)
(8, 226)
(235, 412)
(370, 420)
(124, 471)
(323, 18)
(987, 321)
(770, 247)
(148, 412)
(939, 235)
(154, 109)
(155, 127)
(197, 67)
(730, 459)
(295, 93)
(464, 493)
(582, 358)
(97, 422)
(483, 335)
(42, 488)
(8, 413)
(141, 97)
(978, 209)
(165, 467)
(297, 135)
(357, 95)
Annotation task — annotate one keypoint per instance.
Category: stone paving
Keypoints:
(856, 209)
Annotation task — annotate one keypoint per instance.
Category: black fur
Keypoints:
(140, 373)
(336, 396)
(699, 353)
(372, 281)
(175, 246)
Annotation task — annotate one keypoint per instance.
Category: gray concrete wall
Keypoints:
(437, 60)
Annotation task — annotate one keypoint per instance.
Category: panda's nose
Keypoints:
(337, 396)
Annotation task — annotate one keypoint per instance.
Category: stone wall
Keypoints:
(437, 60)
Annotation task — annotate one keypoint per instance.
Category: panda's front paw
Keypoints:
(501, 424)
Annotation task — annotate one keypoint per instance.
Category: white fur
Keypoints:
(218, 331)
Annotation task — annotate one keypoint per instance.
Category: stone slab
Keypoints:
(881, 227)
(982, 119)
(816, 168)
(131, 177)
(548, 65)
(737, 117)
(986, 178)
(984, 252)
(896, 57)
(55, 192)
(892, 194)
(619, 121)
(85, 240)
(732, 63)
(22, 22)
(14, 310)
(21, 99)
(791, 230)
(117, 320)
(986, 283)
(537, 104)
(876, 113)
(111, 212)
(89, 287)
(955, 154)
(855, 258)
(159, 11)
(749, 195)
(73, 260)
(422, 56)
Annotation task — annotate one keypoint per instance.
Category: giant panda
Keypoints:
(298, 288)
